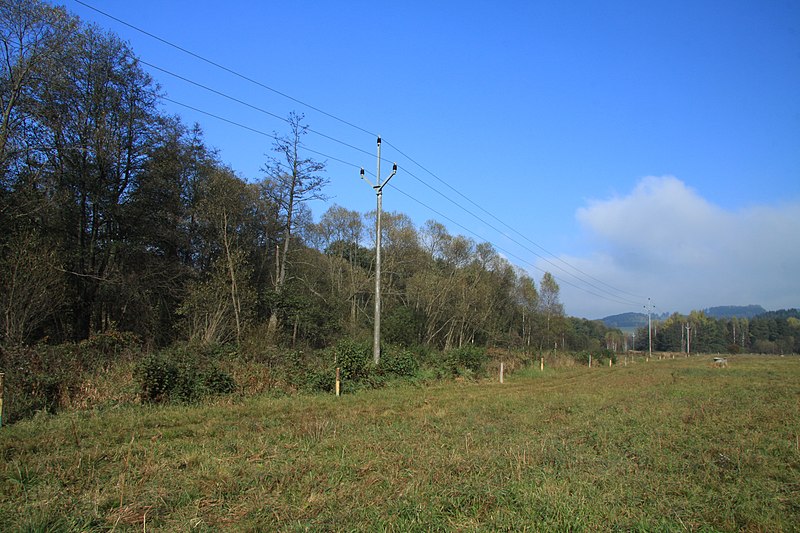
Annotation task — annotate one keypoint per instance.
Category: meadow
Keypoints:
(664, 445)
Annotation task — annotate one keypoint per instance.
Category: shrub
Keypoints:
(469, 360)
(37, 378)
(399, 362)
(605, 355)
(158, 377)
(111, 342)
(218, 381)
(182, 374)
(319, 380)
(353, 358)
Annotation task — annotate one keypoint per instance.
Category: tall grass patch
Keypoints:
(664, 445)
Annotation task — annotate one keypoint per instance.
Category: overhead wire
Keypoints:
(489, 224)
(226, 69)
(507, 252)
(410, 196)
(254, 130)
(448, 198)
(432, 174)
(364, 130)
(248, 104)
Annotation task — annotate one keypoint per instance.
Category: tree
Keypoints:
(97, 116)
(551, 308)
(224, 204)
(339, 234)
(291, 180)
(31, 286)
(32, 38)
(528, 304)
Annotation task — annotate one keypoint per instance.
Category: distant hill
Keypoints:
(735, 311)
(783, 314)
(638, 320)
(625, 320)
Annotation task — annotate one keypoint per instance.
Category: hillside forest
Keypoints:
(117, 217)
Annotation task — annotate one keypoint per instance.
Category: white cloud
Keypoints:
(665, 241)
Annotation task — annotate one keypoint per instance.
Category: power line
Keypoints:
(359, 128)
(254, 130)
(406, 171)
(431, 173)
(274, 115)
(511, 254)
(247, 104)
(432, 209)
(223, 67)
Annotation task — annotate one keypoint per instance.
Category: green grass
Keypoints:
(667, 445)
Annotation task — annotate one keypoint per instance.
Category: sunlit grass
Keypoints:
(664, 445)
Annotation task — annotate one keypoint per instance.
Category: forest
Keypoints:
(117, 217)
(773, 332)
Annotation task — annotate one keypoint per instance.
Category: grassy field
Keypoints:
(666, 445)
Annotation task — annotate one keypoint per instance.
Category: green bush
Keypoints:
(182, 374)
(218, 381)
(158, 376)
(320, 380)
(467, 360)
(357, 369)
(605, 355)
(399, 362)
(111, 343)
(354, 359)
(38, 378)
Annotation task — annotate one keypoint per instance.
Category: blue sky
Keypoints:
(655, 146)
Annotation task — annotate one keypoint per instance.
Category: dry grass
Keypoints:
(664, 445)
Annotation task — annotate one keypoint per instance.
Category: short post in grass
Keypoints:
(590, 360)
(2, 376)
(502, 367)
(609, 362)
(541, 364)
(338, 382)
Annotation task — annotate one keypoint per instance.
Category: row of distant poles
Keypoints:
(378, 187)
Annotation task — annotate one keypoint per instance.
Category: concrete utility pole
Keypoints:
(376, 344)
(688, 339)
(649, 331)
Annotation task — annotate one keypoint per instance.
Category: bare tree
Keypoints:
(291, 180)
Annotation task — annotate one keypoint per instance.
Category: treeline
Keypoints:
(115, 216)
(775, 332)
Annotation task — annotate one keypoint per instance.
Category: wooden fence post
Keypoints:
(501, 372)
(338, 383)
(2, 376)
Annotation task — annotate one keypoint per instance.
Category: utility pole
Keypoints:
(688, 340)
(683, 343)
(649, 308)
(378, 187)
